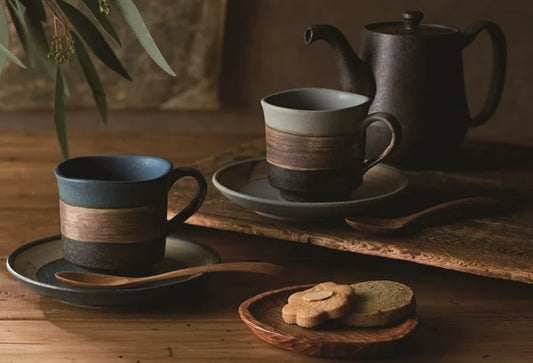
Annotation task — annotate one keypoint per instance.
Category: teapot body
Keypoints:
(414, 71)
(420, 81)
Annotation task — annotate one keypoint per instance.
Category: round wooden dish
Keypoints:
(262, 314)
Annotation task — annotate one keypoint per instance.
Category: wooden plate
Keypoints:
(262, 314)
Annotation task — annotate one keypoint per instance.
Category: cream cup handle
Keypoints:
(396, 134)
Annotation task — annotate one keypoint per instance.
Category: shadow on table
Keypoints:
(215, 296)
(433, 337)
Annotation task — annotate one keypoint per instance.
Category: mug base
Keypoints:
(331, 185)
(314, 197)
(118, 258)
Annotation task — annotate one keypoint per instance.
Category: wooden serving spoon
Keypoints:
(390, 225)
(102, 281)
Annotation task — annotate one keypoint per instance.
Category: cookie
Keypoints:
(380, 303)
(314, 306)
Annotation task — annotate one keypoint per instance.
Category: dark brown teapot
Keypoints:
(415, 72)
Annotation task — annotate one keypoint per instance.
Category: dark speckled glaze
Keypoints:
(415, 72)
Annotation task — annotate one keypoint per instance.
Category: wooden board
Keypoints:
(494, 245)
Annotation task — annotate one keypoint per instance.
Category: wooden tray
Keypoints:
(262, 314)
(499, 246)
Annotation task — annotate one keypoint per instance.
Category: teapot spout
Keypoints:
(355, 75)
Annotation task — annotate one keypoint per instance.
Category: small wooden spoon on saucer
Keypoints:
(102, 281)
(390, 225)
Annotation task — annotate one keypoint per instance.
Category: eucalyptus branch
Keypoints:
(104, 7)
(55, 10)
(62, 45)
(73, 29)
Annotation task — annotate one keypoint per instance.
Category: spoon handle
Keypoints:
(103, 281)
(469, 201)
(256, 267)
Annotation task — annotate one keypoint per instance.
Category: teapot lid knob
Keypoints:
(412, 19)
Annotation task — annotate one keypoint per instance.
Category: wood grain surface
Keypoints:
(299, 152)
(262, 314)
(462, 317)
(485, 242)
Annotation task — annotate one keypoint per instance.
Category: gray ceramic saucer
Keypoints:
(245, 183)
(36, 263)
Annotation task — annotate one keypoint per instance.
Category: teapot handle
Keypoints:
(499, 60)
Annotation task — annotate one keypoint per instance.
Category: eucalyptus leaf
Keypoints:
(92, 77)
(18, 20)
(31, 34)
(102, 19)
(35, 8)
(4, 37)
(93, 38)
(133, 17)
(38, 41)
(11, 56)
(59, 113)
(13, 3)
(40, 47)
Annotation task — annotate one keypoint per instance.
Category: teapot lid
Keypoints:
(411, 26)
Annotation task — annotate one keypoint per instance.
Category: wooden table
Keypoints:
(463, 318)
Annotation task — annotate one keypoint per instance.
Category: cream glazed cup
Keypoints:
(315, 142)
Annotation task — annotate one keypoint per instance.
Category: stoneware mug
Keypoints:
(315, 142)
(113, 209)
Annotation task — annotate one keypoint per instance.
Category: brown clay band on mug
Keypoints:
(300, 152)
(123, 225)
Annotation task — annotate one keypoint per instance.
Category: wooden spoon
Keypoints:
(389, 225)
(102, 281)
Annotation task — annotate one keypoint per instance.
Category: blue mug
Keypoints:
(113, 209)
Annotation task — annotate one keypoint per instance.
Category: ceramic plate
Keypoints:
(36, 263)
(245, 183)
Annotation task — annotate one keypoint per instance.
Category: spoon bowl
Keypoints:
(91, 280)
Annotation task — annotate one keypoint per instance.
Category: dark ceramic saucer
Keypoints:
(245, 183)
(36, 263)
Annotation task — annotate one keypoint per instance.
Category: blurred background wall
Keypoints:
(263, 52)
(190, 33)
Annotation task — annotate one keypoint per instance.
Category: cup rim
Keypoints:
(265, 100)
(60, 175)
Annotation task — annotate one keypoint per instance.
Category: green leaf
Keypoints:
(31, 34)
(134, 19)
(59, 113)
(13, 2)
(10, 55)
(39, 47)
(18, 19)
(101, 19)
(4, 37)
(35, 8)
(92, 77)
(93, 38)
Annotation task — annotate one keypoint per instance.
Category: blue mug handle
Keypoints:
(196, 202)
